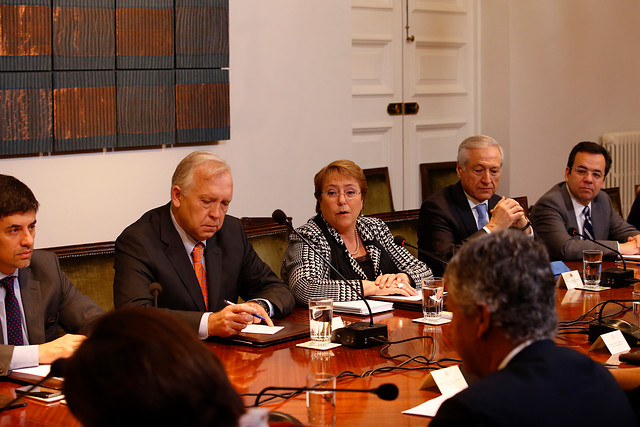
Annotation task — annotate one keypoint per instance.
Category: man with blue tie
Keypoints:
(35, 295)
(578, 203)
(470, 208)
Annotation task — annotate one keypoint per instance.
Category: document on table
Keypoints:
(430, 407)
(262, 329)
(403, 298)
(631, 258)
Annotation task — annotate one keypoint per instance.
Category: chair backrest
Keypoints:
(379, 198)
(524, 202)
(435, 176)
(268, 238)
(614, 195)
(637, 189)
(403, 223)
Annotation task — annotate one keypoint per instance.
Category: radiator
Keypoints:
(624, 148)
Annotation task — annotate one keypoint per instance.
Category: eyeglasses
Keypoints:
(333, 194)
(583, 172)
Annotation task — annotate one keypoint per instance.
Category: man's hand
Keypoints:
(234, 318)
(505, 214)
(59, 348)
(631, 246)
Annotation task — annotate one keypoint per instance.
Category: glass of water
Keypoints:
(432, 292)
(321, 400)
(592, 265)
(320, 315)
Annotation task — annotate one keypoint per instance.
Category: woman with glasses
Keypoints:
(360, 248)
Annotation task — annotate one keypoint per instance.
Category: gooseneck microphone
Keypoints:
(401, 241)
(611, 277)
(359, 334)
(630, 332)
(155, 289)
(385, 391)
(57, 369)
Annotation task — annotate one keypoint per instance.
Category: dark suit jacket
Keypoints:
(543, 385)
(634, 214)
(446, 222)
(49, 299)
(150, 250)
(553, 215)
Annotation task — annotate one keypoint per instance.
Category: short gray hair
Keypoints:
(510, 274)
(476, 141)
(183, 175)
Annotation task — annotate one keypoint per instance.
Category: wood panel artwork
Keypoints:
(94, 75)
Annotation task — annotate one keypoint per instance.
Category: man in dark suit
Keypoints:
(502, 295)
(578, 203)
(35, 296)
(470, 208)
(200, 263)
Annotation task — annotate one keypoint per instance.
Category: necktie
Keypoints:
(482, 215)
(13, 313)
(588, 225)
(198, 266)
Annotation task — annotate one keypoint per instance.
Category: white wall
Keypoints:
(290, 75)
(569, 71)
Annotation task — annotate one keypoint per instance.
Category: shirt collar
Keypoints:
(188, 241)
(513, 353)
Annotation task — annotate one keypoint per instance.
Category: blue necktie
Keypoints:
(588, 225)
(482, 215)
(13, 313)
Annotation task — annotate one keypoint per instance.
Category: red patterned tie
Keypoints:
(197, 253)
(13, 313)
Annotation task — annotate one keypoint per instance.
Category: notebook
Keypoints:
(291, 331)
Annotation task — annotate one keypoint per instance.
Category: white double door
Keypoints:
(435, 68)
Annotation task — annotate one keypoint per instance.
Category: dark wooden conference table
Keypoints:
(250, 369)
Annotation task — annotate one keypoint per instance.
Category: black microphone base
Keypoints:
(361, 335)
(630, 332)
(616, 278)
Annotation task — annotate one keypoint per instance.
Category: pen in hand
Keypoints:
(254, 315)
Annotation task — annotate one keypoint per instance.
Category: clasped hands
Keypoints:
(631, 246)
(508, 213)
(389, 284)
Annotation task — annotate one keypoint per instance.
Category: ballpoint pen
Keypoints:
(255, 315)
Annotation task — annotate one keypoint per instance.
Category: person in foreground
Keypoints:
(145, 367)
(361, 248)
(199, 255)
(35, 295)
(502, 295)
(578, 203)
(470, 208)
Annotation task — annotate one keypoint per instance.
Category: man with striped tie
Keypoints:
(578, 203)
(35, 295)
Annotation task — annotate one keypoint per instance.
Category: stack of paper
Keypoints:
(359, 308)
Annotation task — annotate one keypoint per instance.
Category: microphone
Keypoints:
(359, 334)
(156, 289)
(401, 241)
(385, 391)
(630, 332)
(611, 277)
(57, 369)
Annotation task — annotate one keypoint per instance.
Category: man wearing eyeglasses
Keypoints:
(470, 208)
(578, 203)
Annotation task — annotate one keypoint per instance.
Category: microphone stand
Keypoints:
(385, 391)
(630, 332)
(359, 334)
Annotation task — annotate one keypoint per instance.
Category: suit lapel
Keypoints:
(600, 217)
(212, 257)
(463, 210)
(34, 310)
(568, 205)
(179, 259)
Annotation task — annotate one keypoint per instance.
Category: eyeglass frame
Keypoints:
(583, 172)
(344, 193)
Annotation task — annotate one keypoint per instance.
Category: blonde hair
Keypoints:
(183, 175)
